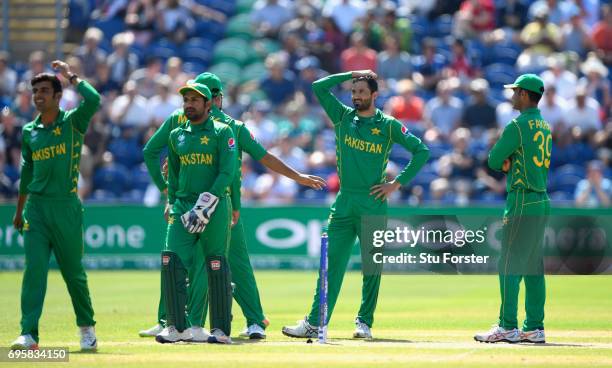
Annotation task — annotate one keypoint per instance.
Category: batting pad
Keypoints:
(174, 279)
(220, 293)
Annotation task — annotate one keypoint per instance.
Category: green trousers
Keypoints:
(245, 290)
(53, 225)
(521, 258)
(213, 241)
(345, 226)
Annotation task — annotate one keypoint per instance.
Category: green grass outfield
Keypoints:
(420, 321)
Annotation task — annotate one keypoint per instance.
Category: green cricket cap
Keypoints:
(530, 82)
(211, 81)
(196, 87)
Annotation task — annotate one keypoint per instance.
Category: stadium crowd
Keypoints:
(441, 67)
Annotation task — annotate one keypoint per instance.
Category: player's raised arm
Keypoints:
(505, 146)
(81, 116)
(330, 103)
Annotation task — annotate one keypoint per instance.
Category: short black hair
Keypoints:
(372, 83)
(48, 77)
(533, 96)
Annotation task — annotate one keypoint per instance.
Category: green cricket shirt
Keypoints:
(156, 144)
(201, 158)
(51, 155)
(363, 144)
(245, 141)
(527, 142)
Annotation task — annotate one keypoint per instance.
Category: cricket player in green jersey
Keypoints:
(198, 286)
(364, 137)
(523, 152)
(201, 167)
(49, 213)
(245, 291)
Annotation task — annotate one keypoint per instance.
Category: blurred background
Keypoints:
(441, 67)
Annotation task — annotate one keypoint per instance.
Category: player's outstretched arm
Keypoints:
(275, 164)
(81, 116)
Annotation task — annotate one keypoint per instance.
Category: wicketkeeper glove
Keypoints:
(197, 218)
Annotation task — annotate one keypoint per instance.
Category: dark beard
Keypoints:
(193, 116)
(363, 105)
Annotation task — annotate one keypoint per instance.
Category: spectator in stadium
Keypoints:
(602, 35)
(359, 56)
(374, 33)
(90, 53)
(595, 190)
(559, 11)
(97, 137)
(505, 111)
(480, 113)
(22, 105)
(583, 111)
(268, 16)
(461, 66)
(334, 42)
(164, 102)
(392, 62)
(558, 75)
(103, 83)
(444, 112)
(129, 109)
(262, 127)
(249, 178)
(540, 39)
(552, 107)
(378, 8)
(36, 64)
(8, 80)
(146, 78)
(302, 25)
(7, 187)
(576, 36)
(290, 153)
(174, 69)
(10, 133)
(272, 188)
(474, 19)
(279, 85)
(406, 107)
(440, 192)
(398, 28)
(345, 13)
(511, 15)
(309, 71)
(596, 80)
(140, 19)
(122, 61)
(174, 20)
(293, 51)
(458, 163)
(429, 66)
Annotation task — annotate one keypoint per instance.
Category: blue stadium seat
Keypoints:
(196, 55)
(227, 7)
(443, 25)
(499, 74)
(110, 27)
(209, 29)
(126, 151)
(112, 178)
(139, 178)
(564, 182)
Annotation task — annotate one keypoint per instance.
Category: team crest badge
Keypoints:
(215, 265)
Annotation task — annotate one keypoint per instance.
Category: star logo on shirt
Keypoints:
(170, 220)
(57, 131)
(204, 140)
(26, 226)
(375, 131)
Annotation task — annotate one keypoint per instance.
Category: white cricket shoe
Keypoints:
(254, 332)
(88, 338)
(24, 342)
(535, 336)
(151, 332)
(218, 337)
(362, 331)
(199, 334)
(499, 334)
(303, 329)
(171, 335)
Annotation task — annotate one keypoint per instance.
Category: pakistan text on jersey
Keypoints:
(49, 152)
(538, 124)
(362, 145)
(197, 159)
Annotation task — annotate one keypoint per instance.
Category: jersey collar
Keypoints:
(374, 119)
(58, 120)
(207, 125)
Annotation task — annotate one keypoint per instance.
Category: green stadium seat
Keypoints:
(253, 72)
(240, 26)
(234, 50)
